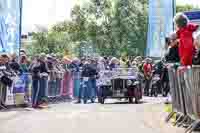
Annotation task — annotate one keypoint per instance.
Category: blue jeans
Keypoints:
(58, 86)
(52, 88)
(87, 92)
(43, 87)
(35, 92)
(90, 89)
(39, 87)
(77, 87)
(80, 93)
(93, 87)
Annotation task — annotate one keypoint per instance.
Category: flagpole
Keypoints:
(174, 12)
(20, 24)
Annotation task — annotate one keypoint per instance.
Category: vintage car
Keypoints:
(124, 83)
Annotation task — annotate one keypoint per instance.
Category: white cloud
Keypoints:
(45, 12)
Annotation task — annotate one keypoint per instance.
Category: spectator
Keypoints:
(24, 64)
(75, 69)
(114, 63)
(89, 74)
(101, 66)
(22, 52)
(5, 80)
(148, 75)
(35, 70)
(92, 79)
(44, 72)
(184, 33)
(172, 56)
(68, 80)
(196, 59)
(24, 67)
(14, 65)
(39, 76)
(134, 65)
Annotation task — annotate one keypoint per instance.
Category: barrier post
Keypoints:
(195, 92)
(172, 72)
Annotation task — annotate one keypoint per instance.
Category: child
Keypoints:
(184, 33)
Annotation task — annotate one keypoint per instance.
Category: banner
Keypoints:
(194, 16)
(9, 26)
(161, 14)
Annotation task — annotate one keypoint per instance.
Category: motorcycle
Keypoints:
(165, 82)
(155, 85)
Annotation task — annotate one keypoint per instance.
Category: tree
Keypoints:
(110, 27)
(131, 25)
(184, 8)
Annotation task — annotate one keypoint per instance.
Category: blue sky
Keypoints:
(48, 12)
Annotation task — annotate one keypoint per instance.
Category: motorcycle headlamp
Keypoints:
(129, 82)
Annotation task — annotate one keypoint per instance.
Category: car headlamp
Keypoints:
(129, 82)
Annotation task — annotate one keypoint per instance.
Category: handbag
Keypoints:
(6, 81)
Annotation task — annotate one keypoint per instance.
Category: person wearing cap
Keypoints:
(24, 63)
(22, 52)
(24, 67)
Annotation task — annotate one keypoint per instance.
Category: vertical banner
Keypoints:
(10, 26)
(161, 14)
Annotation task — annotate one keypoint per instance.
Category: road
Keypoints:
(147, 117)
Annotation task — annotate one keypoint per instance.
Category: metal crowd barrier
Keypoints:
(185, 84)
(194, 92)
(20, 91)
(58, 86)
(175, 92)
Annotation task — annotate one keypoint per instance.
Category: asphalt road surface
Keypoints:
(113, 117)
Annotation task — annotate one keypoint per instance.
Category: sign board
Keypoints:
(9, 26)
(194, 16)
(161, 14)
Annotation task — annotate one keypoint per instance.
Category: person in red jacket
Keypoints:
(147, 68)
(184, 33)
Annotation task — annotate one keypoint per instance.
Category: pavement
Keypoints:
(113, 117)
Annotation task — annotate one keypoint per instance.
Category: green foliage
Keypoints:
(183, 8)
(109, 27)
(49, 42)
